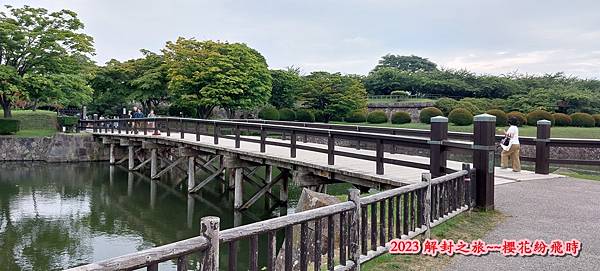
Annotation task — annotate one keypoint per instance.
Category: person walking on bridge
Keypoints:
(513, 148)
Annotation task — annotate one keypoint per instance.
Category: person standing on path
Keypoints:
(152, 123)
(513, 149)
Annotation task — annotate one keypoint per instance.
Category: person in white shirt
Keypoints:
(514, 147)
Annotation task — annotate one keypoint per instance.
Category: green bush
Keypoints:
(501, 118)
(561, 119)
(597, 119)
(428, 113)
(469, 107)
(68, 121)
(521, 118)
(188, 111)
(377, 117)
(287, 114)
(582, 120)
(8, 126)
(268, 113)
(320, 116)
(356, 117)
(460, 117)
(479, 105)
(304, 115)
(399, 93)
(539, 114)
(401, 118)
(445, 105)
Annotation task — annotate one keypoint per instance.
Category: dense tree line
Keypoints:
(45, 61)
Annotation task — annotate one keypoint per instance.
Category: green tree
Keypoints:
(207, 74)
(334, 94)
(111, 89)
(36, 42)
(286, 86)
(406, 63)
(147, 79)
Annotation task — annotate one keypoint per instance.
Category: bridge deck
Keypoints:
(394, 175)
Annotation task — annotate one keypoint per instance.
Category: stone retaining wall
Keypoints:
(58, 148)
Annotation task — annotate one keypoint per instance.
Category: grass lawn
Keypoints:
(467, 226)
(34, 133)
(556, 132)
(34, 123)
(34, 120)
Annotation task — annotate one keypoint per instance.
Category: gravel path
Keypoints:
(564, 209)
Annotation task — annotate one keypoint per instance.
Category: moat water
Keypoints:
(56, 216)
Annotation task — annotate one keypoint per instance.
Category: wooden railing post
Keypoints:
(293, 144)
(209, 227)
(483, 160)
(197, 126)
(215, 133)
(438, 155)
(426, 177)
(156, 121)
(168, 127)
(330, 149)
(237, 136)
(542, 150)
(95, 123)
(181, 128)
(145, 127)
(379, 169)
(354, 229)
(263, 138)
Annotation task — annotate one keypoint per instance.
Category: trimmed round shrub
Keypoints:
(446, 105)
(377, 117)
(429, 112)
(597, 119)
(304, 115)
(287, 114)
(582, 120)
(356, 117)
(8, 126)
(535, 115)
(399, 93)
(268, 113)
(468, 106)
(501, 118)
(521, 118)
(401, 118)
(460, 117)
(561, 119)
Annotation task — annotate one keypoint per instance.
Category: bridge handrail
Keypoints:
(428, 212)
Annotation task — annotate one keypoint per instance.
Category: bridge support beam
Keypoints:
(238, 193)
(483, 160)
(111, 154)
(191, 170)
(130, 155)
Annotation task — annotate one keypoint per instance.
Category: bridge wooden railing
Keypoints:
(361, 227)
(481, 149)
(543, 141)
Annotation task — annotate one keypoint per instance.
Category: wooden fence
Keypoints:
(364, 228)
(542, 142)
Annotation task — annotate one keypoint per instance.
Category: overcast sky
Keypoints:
(350, 36)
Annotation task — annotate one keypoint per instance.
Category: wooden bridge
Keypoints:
(335, 237)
